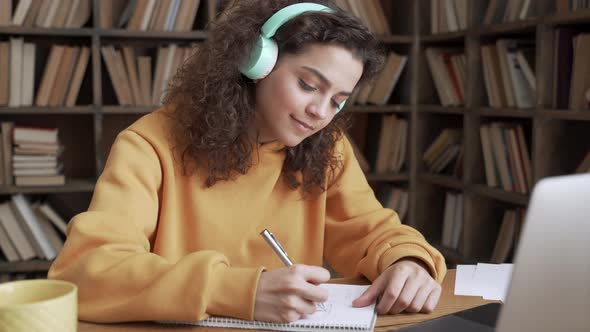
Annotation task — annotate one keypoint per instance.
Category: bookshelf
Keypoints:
(557, 138)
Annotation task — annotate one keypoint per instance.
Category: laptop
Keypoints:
(550, 286)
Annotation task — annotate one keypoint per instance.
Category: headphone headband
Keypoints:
(270, 27)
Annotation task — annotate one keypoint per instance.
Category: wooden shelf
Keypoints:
(582, 115)
(517, 27)
(381, 108)
(505, 112)
(89, 109)
(25, 266)
(163, 35)
(441, 109)
(128, 109)
(441, 180)
(15, 30)
(454, 36)
(388, 177)
(71, 186)
(498, 194)
(575, 17)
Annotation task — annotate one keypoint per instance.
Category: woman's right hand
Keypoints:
(287, 294)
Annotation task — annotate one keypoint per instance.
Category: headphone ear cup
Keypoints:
(262, 59)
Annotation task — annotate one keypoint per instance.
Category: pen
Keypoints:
(278, 249)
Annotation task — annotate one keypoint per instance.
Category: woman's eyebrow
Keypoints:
(323, 78)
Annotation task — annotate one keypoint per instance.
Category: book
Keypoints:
(16, 233)
(4, 68)
(16, 71)
(52, 216)
(505, 238)
(337, 314)
(40, 180)
(7, 247)
(26, 215)
(5, 12)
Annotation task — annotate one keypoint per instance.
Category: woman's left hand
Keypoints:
(404, 286)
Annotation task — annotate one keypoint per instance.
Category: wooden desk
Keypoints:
(449, 303)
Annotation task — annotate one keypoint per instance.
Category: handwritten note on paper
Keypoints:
(339, 307)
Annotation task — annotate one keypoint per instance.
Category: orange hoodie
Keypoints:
(157, 245)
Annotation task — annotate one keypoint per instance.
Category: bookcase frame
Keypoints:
(557, 138)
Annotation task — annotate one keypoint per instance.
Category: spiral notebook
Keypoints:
(336, 314)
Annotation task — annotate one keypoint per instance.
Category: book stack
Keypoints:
(30, 230)
(499, 11)
(448, 15)
(509, 73)
(391, 152)
(508, 235)
(370, 12)
(448, 69)
(70, 14)
(452, 220)
(131, 72)
(35, 157)
(506, 157)
(148, 15)
(396, 199)
(445, 153)
(378, 92)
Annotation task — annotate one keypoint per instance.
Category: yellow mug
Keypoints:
(38, 305)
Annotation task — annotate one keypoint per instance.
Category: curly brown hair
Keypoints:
(212, 103)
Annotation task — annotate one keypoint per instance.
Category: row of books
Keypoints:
(370, 12)
(61, 80)
(30, 156)
(45, 13)
(394, 198)
(452, 220)
(448, 67)
(509, 73)
(499, 11)
(30, 230)
(448, 15)
(571, 70)
(508, 235)
(378, 92)
(393, 142)
(564, 6)
(445, 153)
(130, 71)
(506, 157)
(148, 15)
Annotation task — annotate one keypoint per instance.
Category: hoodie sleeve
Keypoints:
(108, 252)
(362, 237)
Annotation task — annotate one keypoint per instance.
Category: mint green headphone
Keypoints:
(264, 55)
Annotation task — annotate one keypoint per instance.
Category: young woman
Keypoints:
(173, 229)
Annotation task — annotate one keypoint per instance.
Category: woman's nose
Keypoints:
(318, 110)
